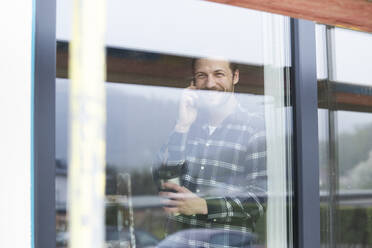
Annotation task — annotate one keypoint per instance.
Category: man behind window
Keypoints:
(221, 151)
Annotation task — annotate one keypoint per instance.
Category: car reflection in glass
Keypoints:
(209, 238)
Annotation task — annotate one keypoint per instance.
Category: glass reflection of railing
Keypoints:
(350, 197)
(146, 201)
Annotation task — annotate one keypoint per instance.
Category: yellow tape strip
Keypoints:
(86, 177)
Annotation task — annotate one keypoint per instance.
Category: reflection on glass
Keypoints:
(206, 136)
(355, 150)
(345, 140)
(179, 160)
(184, 165)
(198, 146)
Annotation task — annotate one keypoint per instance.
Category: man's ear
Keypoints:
(236, 76)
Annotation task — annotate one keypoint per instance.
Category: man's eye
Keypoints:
(200, 76)
(220, 74)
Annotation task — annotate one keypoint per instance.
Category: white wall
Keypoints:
(15, 124)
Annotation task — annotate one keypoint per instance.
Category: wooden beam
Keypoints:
(354, 14)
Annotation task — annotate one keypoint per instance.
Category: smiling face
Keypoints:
(217, 78)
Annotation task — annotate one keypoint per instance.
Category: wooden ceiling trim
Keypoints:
(353, 14)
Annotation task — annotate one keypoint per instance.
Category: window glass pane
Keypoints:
(199, 128)
(351, 47)
(345, 125)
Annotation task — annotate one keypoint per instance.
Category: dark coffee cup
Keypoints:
(167, 174)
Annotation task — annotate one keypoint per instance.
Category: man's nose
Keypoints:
(211, 82)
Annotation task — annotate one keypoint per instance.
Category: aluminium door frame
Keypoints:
(304, 92)
(305, 116)
(43, 124)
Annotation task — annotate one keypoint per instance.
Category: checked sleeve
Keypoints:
(248, 200)
(173, 153)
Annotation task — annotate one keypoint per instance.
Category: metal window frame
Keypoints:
(44, 75)
(306, 158)
(306, 165)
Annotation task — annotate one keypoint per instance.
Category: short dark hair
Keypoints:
(233, 66)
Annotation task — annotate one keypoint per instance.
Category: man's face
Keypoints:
(216, 77)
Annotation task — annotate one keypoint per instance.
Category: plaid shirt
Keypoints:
(227, 168)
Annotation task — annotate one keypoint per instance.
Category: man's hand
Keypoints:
(184, 201)
(187, 109)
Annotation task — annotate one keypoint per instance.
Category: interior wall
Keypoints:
(15, 124)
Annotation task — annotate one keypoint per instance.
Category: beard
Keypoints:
(210, 100)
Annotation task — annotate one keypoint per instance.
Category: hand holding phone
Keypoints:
(187, 109)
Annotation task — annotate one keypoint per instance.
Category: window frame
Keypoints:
(305, 116)
(43, 124)
(305, 120)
